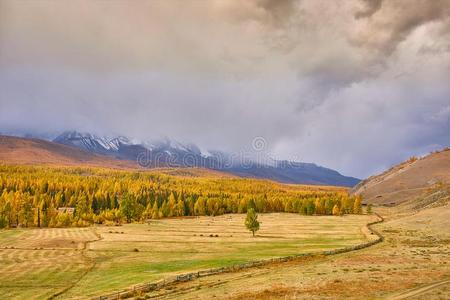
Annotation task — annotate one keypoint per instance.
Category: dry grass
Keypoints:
(137, 253)
(385, 269)
(407, 181)
(35, 264)
(441, 292)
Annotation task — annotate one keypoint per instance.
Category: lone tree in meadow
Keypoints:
(251, 221)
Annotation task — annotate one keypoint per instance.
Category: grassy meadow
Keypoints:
(84, 262)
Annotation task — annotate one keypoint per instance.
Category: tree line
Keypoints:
(32, 196)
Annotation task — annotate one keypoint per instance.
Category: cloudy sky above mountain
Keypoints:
(353, 85)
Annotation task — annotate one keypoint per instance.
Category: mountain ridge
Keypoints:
(167, 153)
(174, 154)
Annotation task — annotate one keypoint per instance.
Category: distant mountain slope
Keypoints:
(292, 172)
(167, 153)
(30, 151)
(15, 150)
(407, 181)
(73, 148)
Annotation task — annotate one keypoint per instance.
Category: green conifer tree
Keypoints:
(251, 221)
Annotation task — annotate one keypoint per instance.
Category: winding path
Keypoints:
(418, 291)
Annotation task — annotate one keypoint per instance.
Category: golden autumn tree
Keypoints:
(357, 205)
(336, 210)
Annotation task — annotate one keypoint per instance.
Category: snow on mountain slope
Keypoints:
(171, 153)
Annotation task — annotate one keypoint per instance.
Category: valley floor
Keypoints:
(79, 263)
(412, 263)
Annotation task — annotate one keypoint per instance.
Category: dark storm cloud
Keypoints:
(371, 7)
(280, 11)
(353, 85)
(389, 23)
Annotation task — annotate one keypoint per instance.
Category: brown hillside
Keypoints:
(25, 151)
(15, 150)
(407, 181)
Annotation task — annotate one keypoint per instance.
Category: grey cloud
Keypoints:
(371, 7)
(317, 83)
(280, 10)
(269, 12)
(394, 21)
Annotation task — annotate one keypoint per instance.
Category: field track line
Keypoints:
(83, 253)
(182, 291)
(417, 291)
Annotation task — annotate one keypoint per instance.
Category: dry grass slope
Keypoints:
(406, 181)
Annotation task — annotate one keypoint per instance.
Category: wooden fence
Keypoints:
(153, 286)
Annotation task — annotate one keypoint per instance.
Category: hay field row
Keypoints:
(37, 263)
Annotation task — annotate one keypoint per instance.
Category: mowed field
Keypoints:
(85, 262)
(413, 262)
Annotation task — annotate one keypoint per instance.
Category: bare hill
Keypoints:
(15, 150)
(408, 181)
(26, 151)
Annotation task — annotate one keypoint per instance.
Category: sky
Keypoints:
(355, 85)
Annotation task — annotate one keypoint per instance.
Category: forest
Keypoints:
(40, 196)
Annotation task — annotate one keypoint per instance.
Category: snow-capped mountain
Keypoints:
(91, 142)
(156, 153)
(117, 142)
(170, 153)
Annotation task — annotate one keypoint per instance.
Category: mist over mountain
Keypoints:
(220, 73)
(169, 153)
